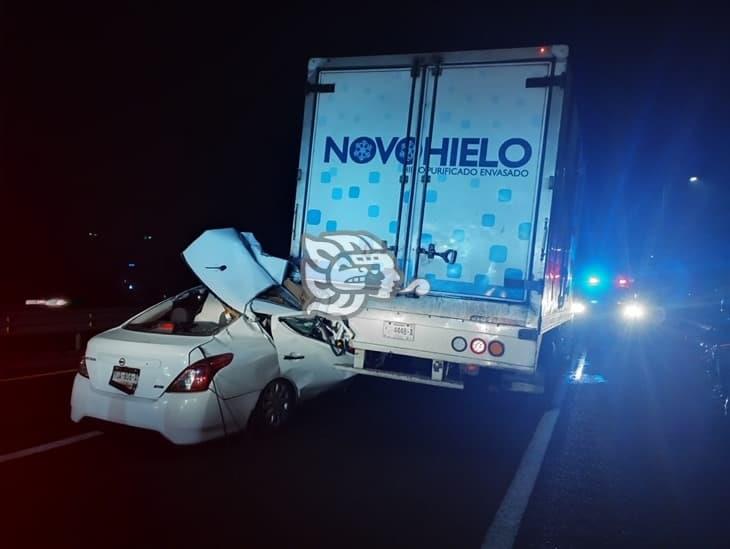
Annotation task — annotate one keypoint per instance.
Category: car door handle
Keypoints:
(293, 356)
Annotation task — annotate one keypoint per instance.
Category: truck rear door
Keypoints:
(359, 144)
(482, 153)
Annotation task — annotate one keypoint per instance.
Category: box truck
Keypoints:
(466, 166)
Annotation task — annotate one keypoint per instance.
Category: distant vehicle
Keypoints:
(618, 298)
(214, 359)
(466, 166)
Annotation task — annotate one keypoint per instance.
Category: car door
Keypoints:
(304, 357)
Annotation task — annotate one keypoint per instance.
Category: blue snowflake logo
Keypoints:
(362, 150)
(406, 150)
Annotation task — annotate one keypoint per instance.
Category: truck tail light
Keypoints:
(83, 371)
(197, 376)
(495, 348)
(478, 346)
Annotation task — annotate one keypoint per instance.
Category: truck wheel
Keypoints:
(552, 362)
(274, 407)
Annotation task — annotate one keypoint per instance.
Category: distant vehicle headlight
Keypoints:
(578, 307)
(634, 311)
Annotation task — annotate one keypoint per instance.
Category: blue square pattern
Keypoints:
(513, 274)
(498, 254)
(454, 271)
(458, 235)
(474, 183)
(314, 217)
(426, 239)
(504, 195)
(374, 177)
(373, 210)
(524, 230)
(353, 192)
(331, 226)
(481, 282)
(337, 193)
(431, 196)
(442, 177)
(465, 124)
(488, 220)
(406, 197)
(326, 177)
(392, 227)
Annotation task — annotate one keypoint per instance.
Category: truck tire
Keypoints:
(554, 361)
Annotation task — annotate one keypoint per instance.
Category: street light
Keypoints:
(666, 188)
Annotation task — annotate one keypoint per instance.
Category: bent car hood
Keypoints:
(233, 266)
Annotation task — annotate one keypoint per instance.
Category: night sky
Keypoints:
(168, 121)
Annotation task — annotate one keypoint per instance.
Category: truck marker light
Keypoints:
(478, 346)
(458, 344)
(496, 348)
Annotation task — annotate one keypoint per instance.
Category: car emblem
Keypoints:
(122, 362)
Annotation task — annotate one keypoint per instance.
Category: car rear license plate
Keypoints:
(399, 330)
(125, 379)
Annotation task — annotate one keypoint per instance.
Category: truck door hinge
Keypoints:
(546, 81)
(319, 88)
(543, 249)
(535, 285)
(403, 179)
(425, 179)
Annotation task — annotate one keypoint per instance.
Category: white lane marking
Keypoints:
(21, 378)
(49, 446)
(506, 524)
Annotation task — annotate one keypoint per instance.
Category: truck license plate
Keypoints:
(399, 330)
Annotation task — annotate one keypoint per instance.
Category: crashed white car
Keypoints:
(234, 352)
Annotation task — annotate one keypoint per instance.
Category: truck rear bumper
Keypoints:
(446, 339)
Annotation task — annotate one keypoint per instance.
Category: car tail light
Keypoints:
(495, 348)
(82, 366)
(197, 376)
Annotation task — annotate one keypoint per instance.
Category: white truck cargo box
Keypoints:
(465, 165)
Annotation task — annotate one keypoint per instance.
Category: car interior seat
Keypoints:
(179, 315)
(210, 311)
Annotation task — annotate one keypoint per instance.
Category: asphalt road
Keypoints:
(637, 457)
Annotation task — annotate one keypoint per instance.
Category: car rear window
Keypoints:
(195, 312)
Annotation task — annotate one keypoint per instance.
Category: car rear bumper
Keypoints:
(181, 418)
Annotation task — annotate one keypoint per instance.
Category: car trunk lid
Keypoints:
(145, 363)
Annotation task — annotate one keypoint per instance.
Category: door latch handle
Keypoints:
(447, 255)
(293, 356)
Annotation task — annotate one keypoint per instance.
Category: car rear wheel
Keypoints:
(275, 406)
